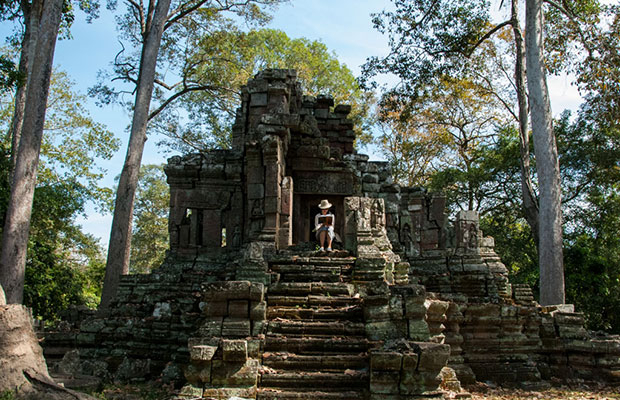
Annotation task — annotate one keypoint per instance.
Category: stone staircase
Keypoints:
(315, 345)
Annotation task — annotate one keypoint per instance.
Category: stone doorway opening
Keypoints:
(306, 206)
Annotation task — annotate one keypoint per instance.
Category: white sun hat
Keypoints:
(324, 204)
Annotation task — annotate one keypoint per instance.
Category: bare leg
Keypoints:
(329, 241)
(322, 236)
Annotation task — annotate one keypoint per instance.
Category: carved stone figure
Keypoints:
(376, 216)
(406, 239)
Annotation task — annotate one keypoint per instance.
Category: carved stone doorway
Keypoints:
(306, 206)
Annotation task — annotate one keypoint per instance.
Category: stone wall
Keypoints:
(205, 196)
(145, 332)
(225, 355)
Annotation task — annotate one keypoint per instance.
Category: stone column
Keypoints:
(255, 190)
(272, 158)
(285, 237)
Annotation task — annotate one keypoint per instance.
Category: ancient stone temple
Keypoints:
(408, 305)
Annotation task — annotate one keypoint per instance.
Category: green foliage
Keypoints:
(593, 280)
(64, 266)
(198, 111)
(7, 395)
(427, 38)
(150, 228)
(72, 142)
(9, 75)
(590, 150)
(515, 244)
(225, 60)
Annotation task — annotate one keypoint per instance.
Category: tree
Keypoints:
(441, 39)
(547, 163)
(17, 222)
(28, 15)
(590, 152)
(414, 154)
(150, 229)
(148, 26)
(62, 263)
(224, 60)
(434, 38)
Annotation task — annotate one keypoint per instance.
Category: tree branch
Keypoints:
(176, 96)
(487, 35)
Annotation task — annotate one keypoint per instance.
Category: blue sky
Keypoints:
(343, 25)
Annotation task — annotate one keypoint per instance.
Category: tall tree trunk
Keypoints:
(32, 18)
(530, 204)
(120, 236)
(19, 209)
(547, 164)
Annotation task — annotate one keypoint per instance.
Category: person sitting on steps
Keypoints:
(324, 225)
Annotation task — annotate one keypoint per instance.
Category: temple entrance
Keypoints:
(305, 207)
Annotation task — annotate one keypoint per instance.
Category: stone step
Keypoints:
(333, 381)
(314, 260)
(312, 273)
(346, 313)
(313, 301)
(313, 277)
(307, 288)
(317, 345)
(273, 394)
(290, 361)
(316, 328)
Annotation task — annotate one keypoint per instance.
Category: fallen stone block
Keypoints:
(235, 350)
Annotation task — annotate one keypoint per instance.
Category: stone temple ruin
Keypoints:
(245, 306)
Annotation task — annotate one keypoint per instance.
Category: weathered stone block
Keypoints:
(414, 308)
(198, 374)
(385, 330)
(235, 350)
(211, 327)
(384, 382)
(221, 291)
(371, 187)
(258, 99)
(257, 291)
(418, 330)
(202, 352)
(396, 307)
(370, 178)
(238, 308)
(216, 308)
(376, 312)
(258, 311)
(234, 373)
(256, 191)
(191, 392)
(385, 360)
(433, 357)
(236, 327)
(258, 328)
(410, 361)
(254, 348)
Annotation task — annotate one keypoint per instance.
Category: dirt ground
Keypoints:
(574, 392)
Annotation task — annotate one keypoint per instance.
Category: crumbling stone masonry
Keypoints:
(245, 306)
